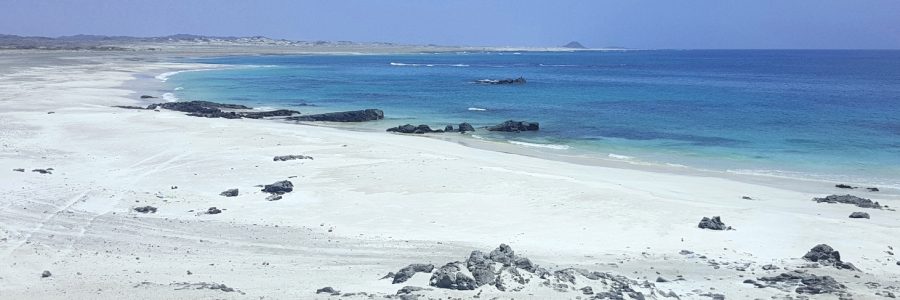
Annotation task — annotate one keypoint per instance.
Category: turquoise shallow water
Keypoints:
(823, 114)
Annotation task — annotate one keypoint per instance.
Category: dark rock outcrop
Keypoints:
(280, 187)
(229, 193)
(19, 170)
(290, 157)
(45, 274)
(872, 189)
(344, 116)
(448, 128)
(130, 107)
(825, 255)
(714, 224)
(806, 283)
(209, 109)
(450, 277)
(463, 127)
(407, 272)
(849, 199)
(843, 186)
(413, 129)
(268, 114)
(515, 126)
(859, 215)
(520, 80)
(328, 290)
(145, 209)
(213, 210)
(43, 171)
(147, 97)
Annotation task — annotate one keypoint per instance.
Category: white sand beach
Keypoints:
(368, 203)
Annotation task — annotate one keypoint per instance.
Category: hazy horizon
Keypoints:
(641, 24)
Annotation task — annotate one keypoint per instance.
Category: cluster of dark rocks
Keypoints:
(847, 186)
(277, 189)
(849, 199)
(207, 109)
(825, 255)
(714, 223)
(503, 269)
(43, 171)
(344, 116)
(230, 193)
(520, 80)
(408, 128)
(506, 126)
(802, 283)
(290, 157)
(145, 209)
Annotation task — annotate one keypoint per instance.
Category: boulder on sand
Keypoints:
(859, 215)
(344, 116)
(824, 254)
(714, 224)
(290, 157)
(280, 187)
(407, 272)
(145, 209)
(515, 126)
(229, 193)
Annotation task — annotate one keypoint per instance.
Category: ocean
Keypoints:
(820, 114)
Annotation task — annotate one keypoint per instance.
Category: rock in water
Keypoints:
(280, 187)
(824, 254)
(229, 193)
(515, 126)
(849, 199)
(344, 116)
(407, 272)
(872, 189)
(463, 127)
(145, 209)
(859, 215)
(715, 224)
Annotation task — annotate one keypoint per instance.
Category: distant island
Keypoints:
(574, 45)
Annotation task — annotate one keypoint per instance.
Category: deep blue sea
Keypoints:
(820, 114)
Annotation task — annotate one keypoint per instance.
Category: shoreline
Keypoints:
(368, 203)
(810, 181)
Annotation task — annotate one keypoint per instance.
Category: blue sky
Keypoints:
(679, 24)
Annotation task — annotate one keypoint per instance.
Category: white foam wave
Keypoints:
(552, 65)
(618, 156)
(399, 64)
(477, 109)
(169, 97)
(179, 88)
(547, 146)
(165, 76)
(477, 137)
